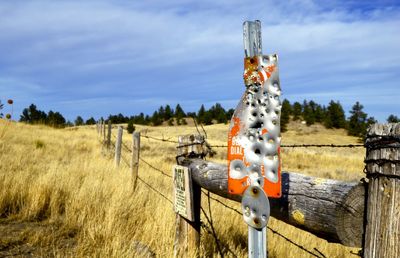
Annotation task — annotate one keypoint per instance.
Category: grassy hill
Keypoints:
(61, 195)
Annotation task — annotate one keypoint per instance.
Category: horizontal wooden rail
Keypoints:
(330, 209)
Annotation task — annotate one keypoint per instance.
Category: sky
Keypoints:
(98, 57)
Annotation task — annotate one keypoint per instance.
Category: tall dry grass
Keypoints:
(66, 179)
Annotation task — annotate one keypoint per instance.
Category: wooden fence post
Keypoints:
(135, 157)
(104, 131)
(187, 234)
(100, 128)
(108, 143)
(118, 145)
(382, 233)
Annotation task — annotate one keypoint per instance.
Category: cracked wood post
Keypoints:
(108, 142)
(135, 157)
(118, 145)
(330, 209)
(382, 237)
(187, 233)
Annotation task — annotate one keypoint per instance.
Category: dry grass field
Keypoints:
(62, 196)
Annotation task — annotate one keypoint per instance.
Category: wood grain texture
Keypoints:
(323, 207)
(135, 157)
(187, 233)
(382, 236)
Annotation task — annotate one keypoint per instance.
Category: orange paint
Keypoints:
(252, 74)
(264, 131)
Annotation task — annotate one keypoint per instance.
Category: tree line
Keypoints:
(331, 116)
(33, 115)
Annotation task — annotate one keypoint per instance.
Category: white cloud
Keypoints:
(193, 49)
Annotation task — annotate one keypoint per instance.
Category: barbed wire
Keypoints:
(282, 146)
(155, 190)
(155, 168)
(213, 233)
(308, 146)
(273, 231)
(158, 139)
(147, 184)
(126, 147)
(320, 254)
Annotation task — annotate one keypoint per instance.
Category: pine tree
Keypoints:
(393, 119)
(335, 117)
(130, 128)
(155, 119)
(207, 118)
(357, 121)
(78, 121)
(161, 113)
(297, 110)
(90, 121)
(218, 113)
(285, 114)
(179, 113)
(319, 113)
(33, 116)
(55, 119)
(200, 114)
(308, 114)
(169, 113)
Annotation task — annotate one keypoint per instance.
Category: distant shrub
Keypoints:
(171, 122)
(131, 128)
(39, 144)
(184, 121)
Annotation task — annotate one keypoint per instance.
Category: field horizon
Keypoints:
(62, 196)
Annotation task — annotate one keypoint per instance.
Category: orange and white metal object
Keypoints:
(254, 133)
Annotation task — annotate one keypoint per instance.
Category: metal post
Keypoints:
(254, 139)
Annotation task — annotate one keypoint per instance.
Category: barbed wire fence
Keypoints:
(209, 226)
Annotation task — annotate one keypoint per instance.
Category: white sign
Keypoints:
(183, 194)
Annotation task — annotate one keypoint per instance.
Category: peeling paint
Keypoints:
(254, 134)
(319, 181)
(298, 216)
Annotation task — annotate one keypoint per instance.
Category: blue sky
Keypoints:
(93, 58)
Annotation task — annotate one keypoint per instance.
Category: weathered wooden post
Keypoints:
(382, 233)
(104, 131)
(100, 128)
(108, 142)
(187, 235)
(118, 145)
(135, 157)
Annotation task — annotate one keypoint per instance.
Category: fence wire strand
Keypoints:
(147, 184)
(273, 231)
(155, 168)
(282, 146)
(209, 219)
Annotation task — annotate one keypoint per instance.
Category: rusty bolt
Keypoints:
(10, 101)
